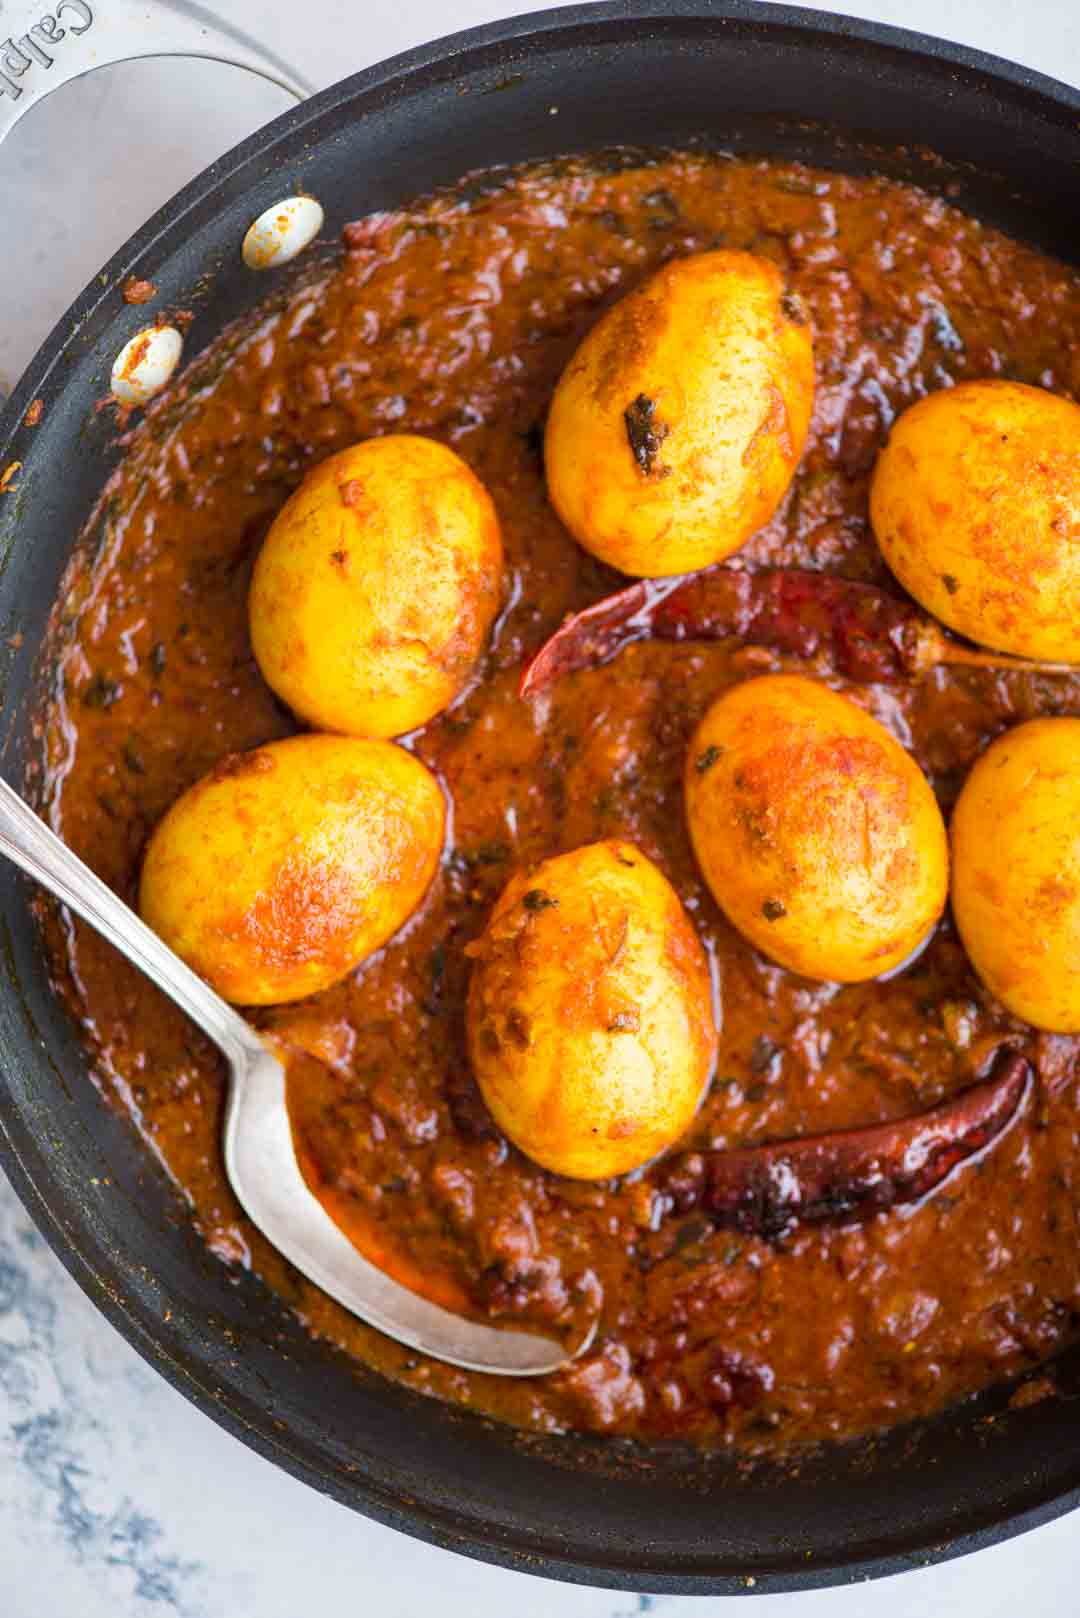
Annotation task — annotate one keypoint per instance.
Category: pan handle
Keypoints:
(47, 43)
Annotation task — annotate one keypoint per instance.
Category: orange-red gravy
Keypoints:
(454, 318)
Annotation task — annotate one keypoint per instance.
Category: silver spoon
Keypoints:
(259, 1156)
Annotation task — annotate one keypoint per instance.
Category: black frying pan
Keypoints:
(651, 72)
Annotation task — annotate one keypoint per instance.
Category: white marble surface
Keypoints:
(117, 1498)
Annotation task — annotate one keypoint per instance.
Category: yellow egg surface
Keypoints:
(975, 502)
(281, 870)
(1016, 871)
(818, 835)
(375, 589)
(590, 1024)
(677, 426)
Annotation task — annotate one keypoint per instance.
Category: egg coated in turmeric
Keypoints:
(975, 503)
(677, 426)
(819, 836)
(376, 587)
(590, 1024)
(1016, 871)
(284, 868)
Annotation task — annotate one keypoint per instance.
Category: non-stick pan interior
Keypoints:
(1006, 145)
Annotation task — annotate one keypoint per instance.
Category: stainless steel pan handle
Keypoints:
(47, 43)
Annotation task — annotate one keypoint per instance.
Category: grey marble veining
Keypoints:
(60, 1400)
(117, 1498)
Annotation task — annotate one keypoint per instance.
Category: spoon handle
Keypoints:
(28, 842)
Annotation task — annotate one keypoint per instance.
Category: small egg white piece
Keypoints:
(145, 364)
(281, 233)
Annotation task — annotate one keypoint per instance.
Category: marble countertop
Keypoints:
(117, 1498)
